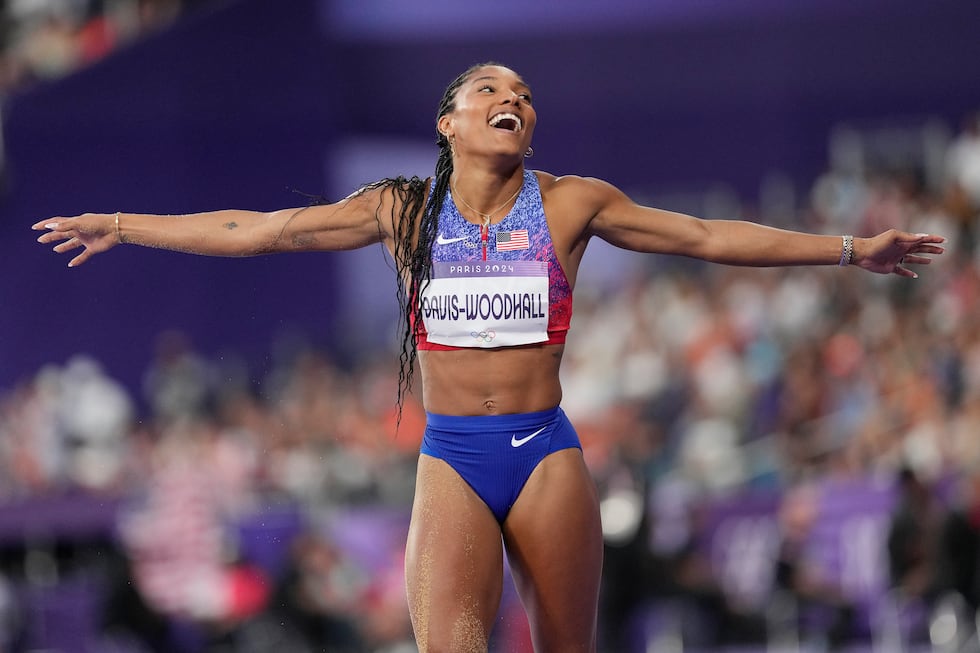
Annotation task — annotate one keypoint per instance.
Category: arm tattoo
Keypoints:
(230, 225)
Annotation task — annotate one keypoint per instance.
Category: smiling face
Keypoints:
(492, 115)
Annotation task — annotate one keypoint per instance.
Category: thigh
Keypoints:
(554, 546)
(453, 562)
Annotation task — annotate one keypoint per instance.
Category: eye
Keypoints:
(526, 97)
(486, 88)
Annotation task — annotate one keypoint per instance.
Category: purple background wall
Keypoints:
(238, 105)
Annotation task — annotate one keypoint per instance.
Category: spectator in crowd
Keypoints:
(963, 177)
(818, 611)
(911, 546)
(321, 596)
(959, 545)
(911, 537)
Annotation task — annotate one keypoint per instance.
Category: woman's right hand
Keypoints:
(96, 232)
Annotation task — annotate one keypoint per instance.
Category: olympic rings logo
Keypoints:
(485, 336)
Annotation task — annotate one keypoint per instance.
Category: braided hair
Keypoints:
(415, 223)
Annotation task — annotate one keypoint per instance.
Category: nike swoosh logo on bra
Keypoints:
(515, 442)
(442, 240)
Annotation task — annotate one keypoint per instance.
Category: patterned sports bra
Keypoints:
(500, 286)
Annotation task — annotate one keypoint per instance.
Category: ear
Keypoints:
(445, 125)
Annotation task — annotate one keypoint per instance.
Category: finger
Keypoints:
(81, 258)
(46, 223)
(904, 272)
(928, 249)
(53, 236)
(58, 224)
(924, 242)
(917, 260)
(906, 237)
(68, 245)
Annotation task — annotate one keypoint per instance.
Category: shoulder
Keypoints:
(573, 192)
(571, 183)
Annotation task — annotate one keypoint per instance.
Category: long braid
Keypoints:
(415, 234)
(413, 260)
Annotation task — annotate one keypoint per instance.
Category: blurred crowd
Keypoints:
(213, 450)
(46, 39)
(689, 383)
(696, 383)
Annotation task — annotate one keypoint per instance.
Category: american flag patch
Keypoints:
(510, 240)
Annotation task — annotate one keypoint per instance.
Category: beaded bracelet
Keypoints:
(847, 250)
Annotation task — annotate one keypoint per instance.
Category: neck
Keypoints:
(483, 189)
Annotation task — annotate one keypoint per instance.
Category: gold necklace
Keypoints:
(486, 216)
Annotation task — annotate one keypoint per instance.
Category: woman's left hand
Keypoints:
(890, 252)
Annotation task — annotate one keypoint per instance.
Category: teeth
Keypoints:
(503, 116)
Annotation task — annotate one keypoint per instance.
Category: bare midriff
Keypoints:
(491, 381)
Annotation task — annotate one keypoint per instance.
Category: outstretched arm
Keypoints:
(622, 222)
(351, 223)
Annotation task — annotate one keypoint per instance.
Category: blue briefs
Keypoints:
(495, 454)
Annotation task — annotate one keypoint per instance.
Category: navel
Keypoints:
(490, 405)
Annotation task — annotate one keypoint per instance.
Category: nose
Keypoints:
(513, 98)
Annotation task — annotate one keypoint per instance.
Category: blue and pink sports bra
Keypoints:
(496, 287)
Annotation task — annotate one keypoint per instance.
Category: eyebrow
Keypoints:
(491, 77)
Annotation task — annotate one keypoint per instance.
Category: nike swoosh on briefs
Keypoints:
(442, 240)
(515, 442)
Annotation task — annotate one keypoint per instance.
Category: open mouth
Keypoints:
(507, 122)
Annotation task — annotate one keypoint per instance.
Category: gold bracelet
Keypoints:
(118, 230)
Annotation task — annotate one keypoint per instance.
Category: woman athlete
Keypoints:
(487, 254)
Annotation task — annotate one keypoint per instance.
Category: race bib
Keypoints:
(486, 303)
